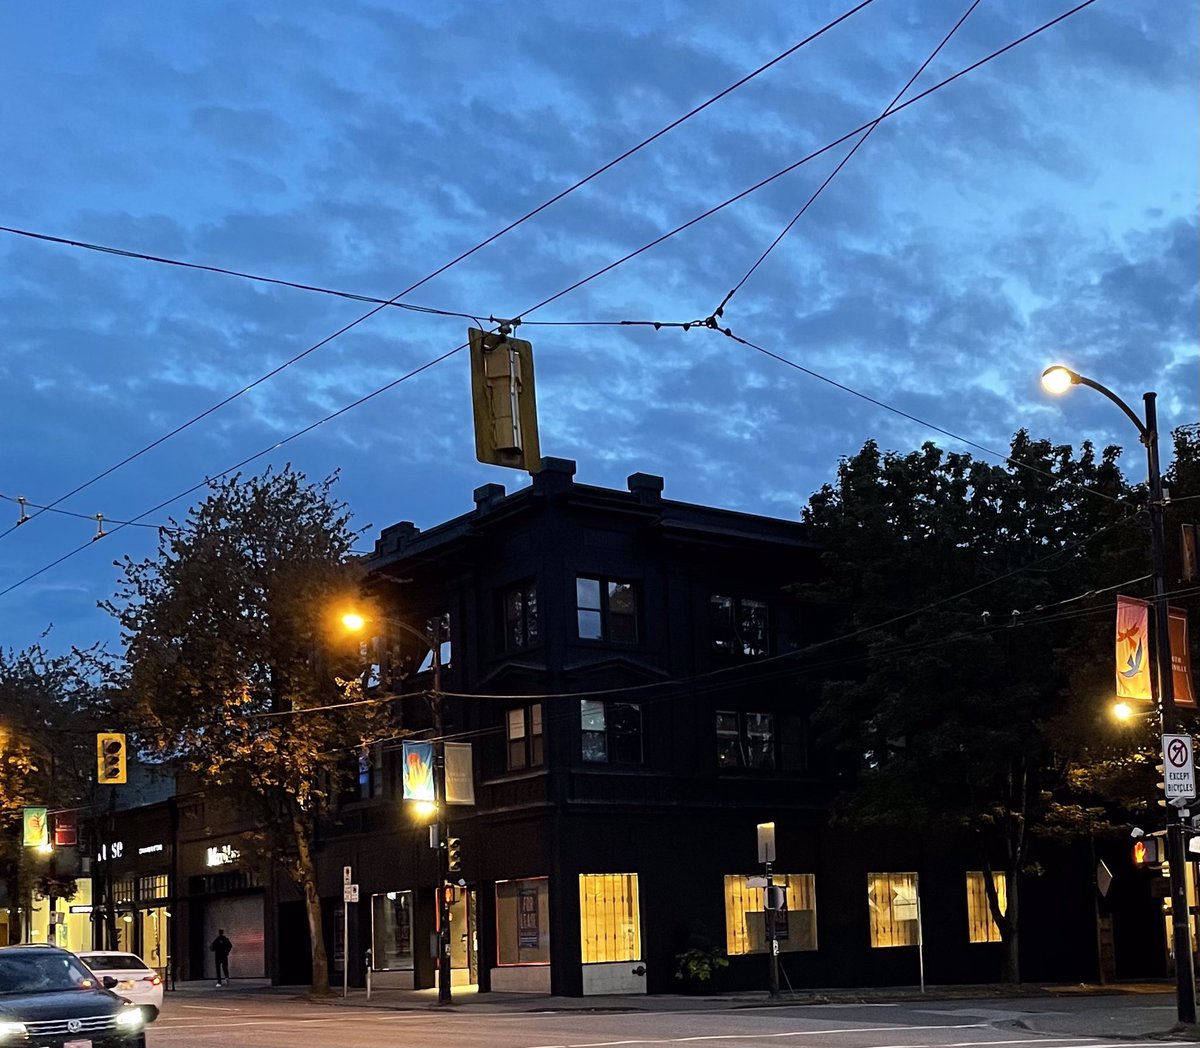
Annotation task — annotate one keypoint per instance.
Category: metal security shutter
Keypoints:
(242, 918)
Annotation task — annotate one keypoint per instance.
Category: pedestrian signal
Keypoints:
(1148, 852)
(448, 894)
(110, 758)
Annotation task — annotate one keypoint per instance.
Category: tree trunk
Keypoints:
(1010, 970)
(306, 879)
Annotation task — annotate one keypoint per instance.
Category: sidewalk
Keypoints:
(1029, 1007)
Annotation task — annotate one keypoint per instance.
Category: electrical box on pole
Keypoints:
(502, 395)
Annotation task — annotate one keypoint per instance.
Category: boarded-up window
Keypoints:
(746, 917)
(979, 914)
(609, 918)
(892, 901)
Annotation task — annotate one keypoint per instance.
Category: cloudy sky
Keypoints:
(1041, 206)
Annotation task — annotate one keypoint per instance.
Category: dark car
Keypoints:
(49, 999)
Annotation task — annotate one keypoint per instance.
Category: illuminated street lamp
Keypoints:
(1058, 379)
(432, 638)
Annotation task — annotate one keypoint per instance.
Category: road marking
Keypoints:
(695, 1038)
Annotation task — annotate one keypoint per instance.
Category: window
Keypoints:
(745, 740)
(609, 919)
(606, 610)
(523, 921)
(892, 900)
(520, 616)
(981, 925)
(739, 625)
(523, 727)
(745, 915)
(370, 772)
(391, 931)
(612, 731)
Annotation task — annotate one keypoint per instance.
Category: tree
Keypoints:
(961, 589)
(232, 665)
(50, 708)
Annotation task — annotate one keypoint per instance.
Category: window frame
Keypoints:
(738, 740)
(739, 637)
(519, 620)
(606, 618)
(610, 739)
(531, 742)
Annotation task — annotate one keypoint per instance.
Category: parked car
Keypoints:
(51, 999)
(136, 980)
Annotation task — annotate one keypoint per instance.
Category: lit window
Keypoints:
(982, 926)
(745, 740)
(739, 625)
(611, 731)
(370, 772)
(520, 616)
(609, 918)
(523, 921)
(524, 729)
(892, 901)
(391, 931)
(746, 918)
(606, 610)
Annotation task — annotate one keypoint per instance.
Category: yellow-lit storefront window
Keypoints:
(979, 914)
(609, 917)
(745, 916)
(892, 902)
(72, 919)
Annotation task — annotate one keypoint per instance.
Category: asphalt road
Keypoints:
(275, 1022)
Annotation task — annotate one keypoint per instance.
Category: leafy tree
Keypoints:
(232, 663)
(50, 708)
(961, 588)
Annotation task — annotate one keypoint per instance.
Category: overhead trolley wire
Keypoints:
(719, 311)
(443, 268)
(579, 283)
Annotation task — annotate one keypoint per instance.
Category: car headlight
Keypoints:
(11, 1029)
(129, 1018)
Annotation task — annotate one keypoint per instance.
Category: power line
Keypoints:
(453, 262)
(720, 310)
(579, 283)
(24, 503)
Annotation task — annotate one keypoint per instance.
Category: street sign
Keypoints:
(1104, 877)
(349, 893)
(347, 875)
(1179, 769)
(766, 842)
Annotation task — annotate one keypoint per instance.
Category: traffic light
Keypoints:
(506, 432)
(1149, 852)
(110, 758)
(453, 855)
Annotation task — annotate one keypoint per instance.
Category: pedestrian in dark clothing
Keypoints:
(220, 948)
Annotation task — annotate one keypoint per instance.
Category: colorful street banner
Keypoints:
(1133, 649)
(460, 773)
(1181, 657)
(37, 828)
(418, 771)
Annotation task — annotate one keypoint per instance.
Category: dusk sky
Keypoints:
(1040, 208)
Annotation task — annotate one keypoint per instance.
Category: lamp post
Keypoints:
(432, 637)
(1058, 379)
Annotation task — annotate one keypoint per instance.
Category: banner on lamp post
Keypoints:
(460, 778)
(1133, 649)
(36, 828)
(1181, 659)
(66, 829)
(418, 771)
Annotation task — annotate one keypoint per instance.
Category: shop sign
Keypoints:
(222, 855)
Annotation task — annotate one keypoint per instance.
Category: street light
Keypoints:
(1058, 379)
(432, 637)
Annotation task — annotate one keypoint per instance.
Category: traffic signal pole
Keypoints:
(443, 827)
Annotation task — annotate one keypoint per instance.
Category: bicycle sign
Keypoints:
(1179, 769)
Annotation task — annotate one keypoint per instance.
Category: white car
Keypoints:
(136, 980)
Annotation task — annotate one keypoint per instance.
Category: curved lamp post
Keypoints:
(1058, 379)
(432, 638)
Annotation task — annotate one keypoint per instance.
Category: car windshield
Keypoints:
(42, 973)
(113, 962)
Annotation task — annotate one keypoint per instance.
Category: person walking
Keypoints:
(221, 947)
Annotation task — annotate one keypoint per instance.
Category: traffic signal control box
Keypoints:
(110, 758)
(506, 432)
(1149, 852)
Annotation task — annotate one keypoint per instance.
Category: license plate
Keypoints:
(125, 984)
(77, 1044)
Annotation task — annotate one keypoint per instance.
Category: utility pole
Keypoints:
(443, 827)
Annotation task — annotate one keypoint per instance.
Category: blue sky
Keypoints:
(1040, 208)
